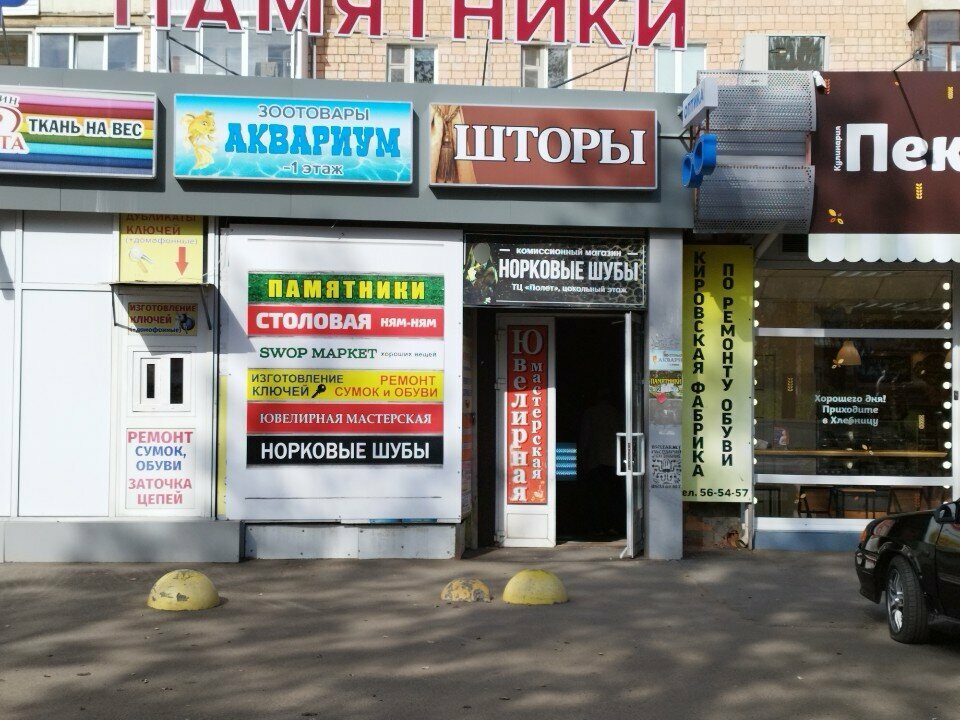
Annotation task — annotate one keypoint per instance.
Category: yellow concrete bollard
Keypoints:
(183, 590)
(464, 590)
(534, 587)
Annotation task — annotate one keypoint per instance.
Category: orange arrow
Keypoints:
(182, 259)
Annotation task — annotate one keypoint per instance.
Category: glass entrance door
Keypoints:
(526, 477)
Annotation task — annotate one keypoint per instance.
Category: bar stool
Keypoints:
(815, 501)
(869, 495)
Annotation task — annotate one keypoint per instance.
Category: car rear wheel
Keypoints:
(906, 604)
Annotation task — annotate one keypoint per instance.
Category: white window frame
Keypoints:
(543, 64)
(756, 49)
(249, 23)
(33, 45)
(161, 362)
(408, 56)
(678, 67)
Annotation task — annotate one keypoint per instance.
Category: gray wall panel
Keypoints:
(141, 540)
(668, 207)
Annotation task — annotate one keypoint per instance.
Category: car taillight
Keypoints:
(865, 533)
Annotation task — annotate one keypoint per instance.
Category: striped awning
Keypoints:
(884, 248)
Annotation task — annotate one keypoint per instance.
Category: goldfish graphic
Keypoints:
(200, 130)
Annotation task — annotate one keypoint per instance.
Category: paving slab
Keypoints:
(724, 634)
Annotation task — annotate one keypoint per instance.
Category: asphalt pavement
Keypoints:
(722, 634)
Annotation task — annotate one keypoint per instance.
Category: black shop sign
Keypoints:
(533, 271)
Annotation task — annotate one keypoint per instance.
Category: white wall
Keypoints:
(7, 354)
(66, 361)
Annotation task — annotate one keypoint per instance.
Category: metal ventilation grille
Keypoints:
(755, 199)
(763, 101)
(773, 144)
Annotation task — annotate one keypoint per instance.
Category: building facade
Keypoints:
(230, 395)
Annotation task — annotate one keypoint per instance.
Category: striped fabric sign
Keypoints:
(46, 131)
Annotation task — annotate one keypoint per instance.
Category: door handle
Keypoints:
(621, 457)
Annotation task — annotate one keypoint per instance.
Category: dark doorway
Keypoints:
(591, 497)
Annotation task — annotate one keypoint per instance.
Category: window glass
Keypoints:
(396, 54)
(177, 44)
(853, 406)
(423, 65)
(943, 26)
(224, 50)
(396, 63)
(121, 51)
(853, 299)
(88, 52)
(557, 70)
(687, 63)
(666, 64)
(845, 501)
(936, 57)
(530, 66)
(54, 50)
(694, 60)
(13, 49)
(269, 55)
(795, 52)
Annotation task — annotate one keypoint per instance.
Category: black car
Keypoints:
(915, 559)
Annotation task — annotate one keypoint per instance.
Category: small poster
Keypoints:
(160, 469)
(162, 318)
(527, 411)
(371, 412)
(161, 248)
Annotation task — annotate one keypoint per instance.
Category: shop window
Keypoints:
(937, 33)
(853, 387)
(852, 299)
(785, 52)
(411, 63)
(676, 71)
(226, 53)
(544, 66)
(14, 49)
(88, 51)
